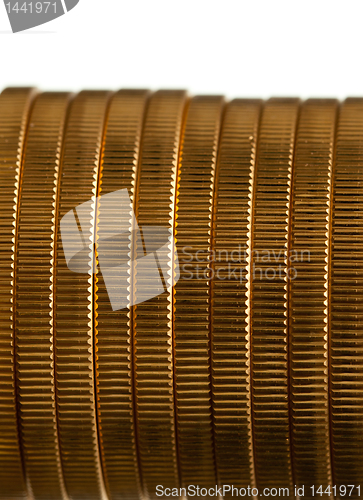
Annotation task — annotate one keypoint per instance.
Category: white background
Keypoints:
(234, 47)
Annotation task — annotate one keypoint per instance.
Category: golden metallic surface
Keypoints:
(15, 107)
(309, 320)
(153, 319)
(269, 306)
(345, 294)
(192, 308)
(230, 319)
(235, 358)
(114, 370)
(34, 296)
(73, 301)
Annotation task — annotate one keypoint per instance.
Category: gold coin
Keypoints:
(152, 291)
(73, 296)
(268, 305)
(309, 320)
(192, 307)
(230, 319)
(345, 294)
(15, 107)
(34, 296)
(114, 370)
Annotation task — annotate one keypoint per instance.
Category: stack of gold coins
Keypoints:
(181, 296)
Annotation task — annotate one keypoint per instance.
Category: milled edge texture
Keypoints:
(192, 333)
(15, 107)
(73, 305)
(230, 320)
(346, 292)
(114, 370)
(308, 293)
(34, 301)
(152, 319)
(269, 295)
